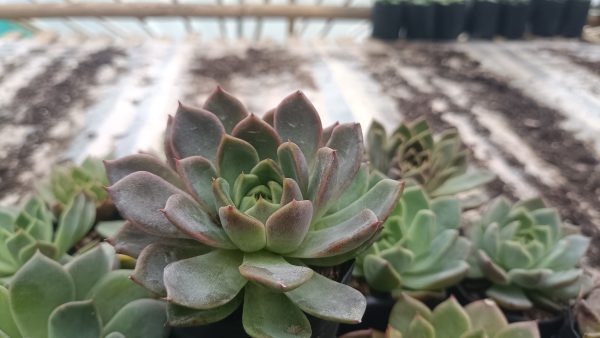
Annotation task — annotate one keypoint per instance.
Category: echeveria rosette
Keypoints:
(410, 318)
(412, 153)
(420, 250)
(265, 200)
(88, 297)
(528, 254)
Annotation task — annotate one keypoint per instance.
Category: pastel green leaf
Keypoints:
(520, 330)
(513, 255)
(497, 212)
(119, 168)
(549, 218)
(405, 309)
(74, 223)
(272, 314)
(347, 140)
(464, 182)
(234, 157)
(420, 328)
(566, 253)
(183, 316)
(115, 335)
(246, 232)
(490, 269)
(561, 279)
(195, 131)
(509, 297)
(87, 269)
(486, 315)
(450, 319)
(323, 180)
(380, 274)
(287, 227)
(273, 271)
(413, 200)
(422, 231)
(75, 319)
(326, 299)
(205, 282)
(447, 211)
(293, 164)
(259, 134)
(358, 187)
(400, 258)
(291, 191)
(446, 276)
(262, 210)
(221, 195)
(197, 174)
(528, 278)
(150, 312)
(108, 229)
(7, 322)
(32, 301)
(226, 107)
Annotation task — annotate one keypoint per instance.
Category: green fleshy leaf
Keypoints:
(195, 132)
(400, 258)
(140, 197)
(242, 185)
(567, 253)
(262, 210)
(509, 297)
(405, 309)
(291, 191)
(115, 335)
(268, 170)
(226, 107)
(117, 169)
(18, 242)
(550, 218)
(272, 314)
(90, 267)
(439, 248)
(75, 222)
(490, 269)
(520, 330)
(189, 217)
(528, 278)
(32, 301)
(358, 187)
(326, 299)
(273, 272)
(561, 279)
(380, 274)
(376, 141)
(347, 140)
(485, 315)
(491, 238)
(323, 181)
(108, 229)
(497, 212)
(260, 135)
(422, 232)
(75, 319)
(113, 291)
(450, 319)
(198, 173)
(7, 322)
(246, 232)
(297, 120)
(234, 157)
(220, 190)
(339, 239)
(464, 182)
(293, 164)
(447, 212)
(128, 320)
(420, 328)
(514, 256)
(205, 282)
(446, 276)
(413, 200)
(150, 265)
(287, 227)
(181, 316)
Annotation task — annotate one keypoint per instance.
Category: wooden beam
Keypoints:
(144, 10)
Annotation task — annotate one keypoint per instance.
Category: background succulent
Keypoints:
(265, 200)
(84, 298)
(587, 313)
(481, 319)
(420, 248)
(31, 228)
(528, 254)
(412, 153)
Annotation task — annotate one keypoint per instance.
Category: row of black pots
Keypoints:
(484, 19)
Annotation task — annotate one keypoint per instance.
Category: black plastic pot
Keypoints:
(420, 21)
(547, 17)
(449, 20)
(513, 19)
(232, 327)
(483, 19)
(387, 20)
(376, 316)
(574, 18)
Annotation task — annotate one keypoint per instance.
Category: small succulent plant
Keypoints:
(412, 153)
(249, 204)
(86, 297)
(420, 249)
(481, 319)
(587, 313)
(68, 181)
(528, 254)
(30, 229)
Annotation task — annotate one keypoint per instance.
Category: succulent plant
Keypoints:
(481, 319)
(24, 232)
(420, 248)
(412, 153)
(587, 312)
(528, 254)
(68, 181)
(86, 297)
(248, 205)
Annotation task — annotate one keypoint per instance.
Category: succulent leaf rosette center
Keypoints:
(243, 207)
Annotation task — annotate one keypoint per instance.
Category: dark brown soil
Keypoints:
(47, 100)
(592, 66)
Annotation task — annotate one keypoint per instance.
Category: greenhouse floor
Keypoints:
(529, 110)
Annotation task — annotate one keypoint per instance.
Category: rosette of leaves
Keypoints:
(267, 200)
(420, 249)
(31, 228)
(587, 313)
(481, 319)
(412, 153)
(528, 254)
(68, 181)
(86, 298)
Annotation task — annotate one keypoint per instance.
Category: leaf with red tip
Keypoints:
(293, 164)
(131, 240)
(291, 191)
(246, 232)
(234, 157)
(262, 210)
(117, 169)
(260, 135)
(150, 265)
(168, 143)
(340, 238)
(347, 140)
(297, 120)
(323, 181)
(287, 227)
(186, 215)
(220, 190)
(196, 132)
(205, 282)
(269, 117)
(226, 107)
(273, 271)
(327, 133)
(140, 197)
(198, 173)
(326, 299)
